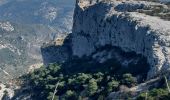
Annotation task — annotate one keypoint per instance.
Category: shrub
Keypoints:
(92, 87)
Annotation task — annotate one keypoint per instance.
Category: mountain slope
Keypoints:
(24, 26)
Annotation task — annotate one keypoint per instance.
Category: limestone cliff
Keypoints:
(98, 23)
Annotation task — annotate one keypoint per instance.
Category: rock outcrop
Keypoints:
(58, 51)
(98, 23)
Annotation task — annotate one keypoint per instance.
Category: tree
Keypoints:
(81, 78)
(92, 87)
(129, 80)
(101, 97)
(113, 85)
(99, 76)
(70, 95)
(54, 68)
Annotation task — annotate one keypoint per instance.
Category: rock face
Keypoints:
(6, 93)
(116, 23)
(56, 52)
(6, 27)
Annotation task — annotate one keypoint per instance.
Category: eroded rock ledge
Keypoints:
(98, 23)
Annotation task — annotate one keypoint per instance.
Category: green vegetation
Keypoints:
(81, 79)
(155, 94)
(80, 85)
(129, 80)
(159, 93)
(92, 87)
(112, 85)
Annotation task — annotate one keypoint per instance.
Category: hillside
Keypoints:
(118, 50)
(119, 46)
(25, 25)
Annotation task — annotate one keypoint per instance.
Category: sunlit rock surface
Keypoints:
(99, 23)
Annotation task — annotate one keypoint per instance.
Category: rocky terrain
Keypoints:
(126, 31)
(99, 24)
(24, 26)
(117, 24)
(119, 29)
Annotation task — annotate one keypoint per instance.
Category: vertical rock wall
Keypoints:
(99, 23)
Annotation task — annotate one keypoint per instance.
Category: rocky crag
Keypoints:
(121, 24)
(116, 23)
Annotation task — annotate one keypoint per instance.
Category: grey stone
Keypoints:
(97, 24)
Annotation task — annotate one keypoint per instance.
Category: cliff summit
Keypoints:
(120, 24)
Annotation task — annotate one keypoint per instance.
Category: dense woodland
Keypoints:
(80, 79)
(85, 79)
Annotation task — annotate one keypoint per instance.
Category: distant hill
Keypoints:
(24, 26)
